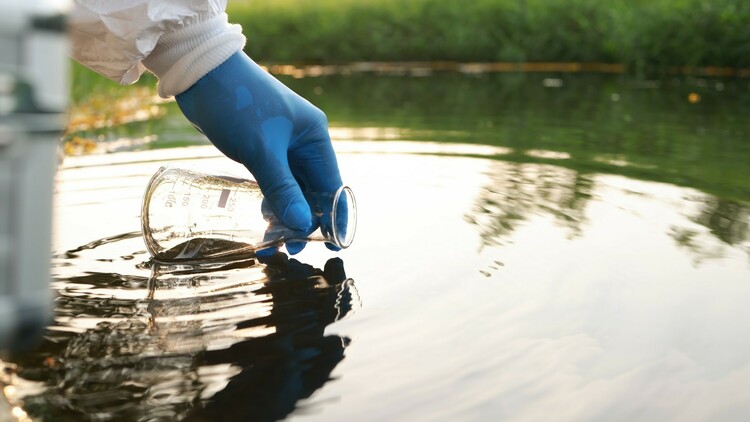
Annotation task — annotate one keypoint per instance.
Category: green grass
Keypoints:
(85, 84)
(640, 33)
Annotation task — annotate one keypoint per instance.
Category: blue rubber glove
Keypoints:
(279, 136)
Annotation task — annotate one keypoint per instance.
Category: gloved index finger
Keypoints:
(313, 162)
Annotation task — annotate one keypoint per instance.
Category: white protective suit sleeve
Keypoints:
(178, 40)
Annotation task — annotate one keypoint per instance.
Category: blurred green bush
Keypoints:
(639, 33)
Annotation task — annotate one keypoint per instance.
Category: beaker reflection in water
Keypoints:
(190, 215)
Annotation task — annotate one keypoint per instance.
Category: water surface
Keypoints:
(560, 259)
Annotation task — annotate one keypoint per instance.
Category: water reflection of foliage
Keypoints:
(519, 191)
(193, 344)
(106, 117)
(99, 114)
(652, 129)
(726, 221)
(649, 125)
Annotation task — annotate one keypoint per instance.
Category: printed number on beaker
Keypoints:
(170, 201)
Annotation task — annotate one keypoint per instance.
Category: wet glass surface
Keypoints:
(563, 261)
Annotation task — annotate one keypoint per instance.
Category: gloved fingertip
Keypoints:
(297, 216)
(268, 252)
(332, 247)
(295, 247)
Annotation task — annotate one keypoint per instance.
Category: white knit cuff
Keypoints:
(181, 58)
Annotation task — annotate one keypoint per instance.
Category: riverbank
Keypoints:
(645, 36)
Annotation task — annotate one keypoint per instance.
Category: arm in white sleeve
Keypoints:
(178, 40)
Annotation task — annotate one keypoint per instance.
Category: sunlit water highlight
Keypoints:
(485, 289)
(530, 247)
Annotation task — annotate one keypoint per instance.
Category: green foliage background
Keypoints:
(639, 33)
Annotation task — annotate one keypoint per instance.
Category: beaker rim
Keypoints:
(351, 218)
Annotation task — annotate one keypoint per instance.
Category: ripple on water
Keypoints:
(494, 288)
(167, 341)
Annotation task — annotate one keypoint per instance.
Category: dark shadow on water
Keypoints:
(73, 253)
(291, 364)
(235, 342)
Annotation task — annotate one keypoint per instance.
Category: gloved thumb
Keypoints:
(283, 194)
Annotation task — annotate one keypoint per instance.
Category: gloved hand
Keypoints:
(279, 136)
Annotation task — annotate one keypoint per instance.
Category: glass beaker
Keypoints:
(188, 215)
